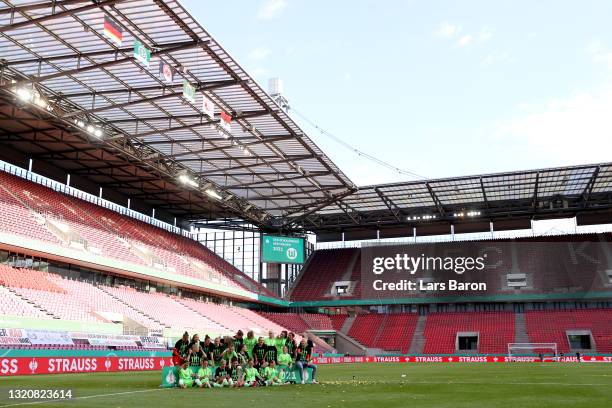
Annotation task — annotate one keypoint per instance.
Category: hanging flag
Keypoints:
(113, 31)
(142, 53)
(208, 108)
(226, 122)
(166, 72)
(189, 91)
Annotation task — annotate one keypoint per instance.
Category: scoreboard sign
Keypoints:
(277, 249)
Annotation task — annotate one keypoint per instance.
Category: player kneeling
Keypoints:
(204, 376)
(271, 375)
(251, 374)
(185, 376)
(223, 376)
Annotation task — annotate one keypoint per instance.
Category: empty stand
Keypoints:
(40, 213)
(495, 329)
(291, 321)
(324, 268)
(163, 309)
(338, 321)
(317, 321)
(551, 326)
(13, 305)
(392, 332)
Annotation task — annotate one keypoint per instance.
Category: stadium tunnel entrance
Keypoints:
(467, 342)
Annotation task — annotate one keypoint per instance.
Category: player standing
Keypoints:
(259, 352)
(181, 348)
(250, 342)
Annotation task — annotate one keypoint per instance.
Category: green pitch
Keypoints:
(438, 385)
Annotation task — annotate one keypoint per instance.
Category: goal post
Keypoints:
(532, 348)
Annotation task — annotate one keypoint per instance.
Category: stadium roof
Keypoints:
(151, 134)
(60, 73)
(510, 200)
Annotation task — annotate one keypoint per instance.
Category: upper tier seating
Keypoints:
(40, 213)
(324, 268)
(551, 264)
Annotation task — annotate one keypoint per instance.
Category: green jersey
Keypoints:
(269, 373)
(284, 359)
(250, 343)
(251, 374)
(280, 343)
(227, 356)
(270, 342)
(185, 373)
(205, 372)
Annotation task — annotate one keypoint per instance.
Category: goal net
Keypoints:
(544, 349)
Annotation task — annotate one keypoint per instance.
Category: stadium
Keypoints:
(151, 190)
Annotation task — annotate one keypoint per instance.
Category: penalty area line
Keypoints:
(80, 398)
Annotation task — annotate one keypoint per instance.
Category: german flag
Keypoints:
(226, 122)
(113, 31)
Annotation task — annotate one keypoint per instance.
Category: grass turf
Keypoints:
(453, 385)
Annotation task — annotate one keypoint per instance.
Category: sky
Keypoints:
(438, 88)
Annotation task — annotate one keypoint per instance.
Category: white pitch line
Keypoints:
(79, 398)
(365, 382)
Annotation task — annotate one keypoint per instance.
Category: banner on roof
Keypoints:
(49, 337)
(13, 337)
(113, 30)
(208, 108)
(166, 72)
(142, 53)
(226, 122)
(189, 91)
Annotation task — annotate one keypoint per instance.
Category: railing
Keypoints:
(484, 236)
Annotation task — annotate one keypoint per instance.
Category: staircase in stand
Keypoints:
(418, 341)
